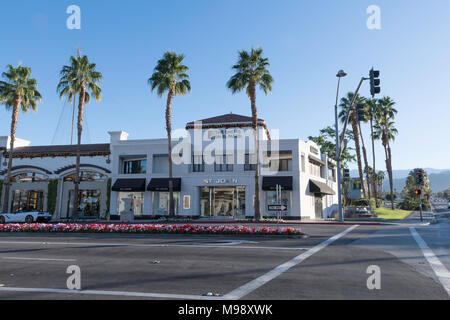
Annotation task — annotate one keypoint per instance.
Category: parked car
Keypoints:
(27, 217)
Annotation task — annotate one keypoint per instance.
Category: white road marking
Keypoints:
(274, 273)
(439, 269)
(231, 245)
(111, 293)
(38, 259)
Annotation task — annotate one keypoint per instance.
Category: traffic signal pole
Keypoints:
(420, 206)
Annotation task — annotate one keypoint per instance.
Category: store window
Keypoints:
(198, 163)
(250, 162)
(29, 177)
(131, 201)
(222, 201)
(88, 203)
(86, 176)
(161, 203)
(134, 165)
(27, 201)
(223, 163)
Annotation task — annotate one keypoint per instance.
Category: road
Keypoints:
(331, 263)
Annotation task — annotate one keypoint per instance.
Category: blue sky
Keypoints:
(306, 42)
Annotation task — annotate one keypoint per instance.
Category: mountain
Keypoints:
(439, 179)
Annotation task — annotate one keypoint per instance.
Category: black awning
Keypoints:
(320, 187)
(270, 183)
(137, 185)
(162, 184)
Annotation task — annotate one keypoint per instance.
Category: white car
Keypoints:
(27, 217)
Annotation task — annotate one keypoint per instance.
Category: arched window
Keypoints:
(29, 177)
(86, 176)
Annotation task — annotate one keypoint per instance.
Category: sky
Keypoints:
(306, 42)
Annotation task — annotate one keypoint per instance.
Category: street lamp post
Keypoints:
(340, 75)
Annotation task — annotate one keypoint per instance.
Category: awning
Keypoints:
(317, 160)
(270, 183)
(162, 184)
(320, 187)
(137, 185)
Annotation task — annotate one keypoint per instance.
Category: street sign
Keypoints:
(277, 207)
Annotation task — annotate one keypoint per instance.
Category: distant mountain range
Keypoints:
(439, 179)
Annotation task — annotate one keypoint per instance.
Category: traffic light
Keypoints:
(374, 82)
(419, 177)
(346, 175)
(418, 192)
(360, 112)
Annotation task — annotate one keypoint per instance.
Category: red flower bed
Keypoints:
(147, 229)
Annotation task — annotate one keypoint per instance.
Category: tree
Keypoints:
(380, 178)
(251, 71)
(170, 75)
(410, 185)
(366, 163)
(327, 143)
(385, 131)
(345, 110)
(373, 110)
(18, 91)
(79, 78)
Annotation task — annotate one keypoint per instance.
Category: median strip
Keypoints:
(147, 229)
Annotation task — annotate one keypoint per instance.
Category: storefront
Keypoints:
(130, 196)
(159, 187)
(222, 201)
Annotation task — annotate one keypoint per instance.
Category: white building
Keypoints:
(226, 187)
(42, 178)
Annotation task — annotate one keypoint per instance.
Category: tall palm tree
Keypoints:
(366, 163)
(79, 78)
(345, 109)
(386, 131)
(251, 71)
(170, 75)
(18, 91)
(373, 109)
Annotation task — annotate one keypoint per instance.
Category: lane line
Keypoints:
(111, 293)
(439, 269)
(93, 244)
(38, 259)
(274, 273)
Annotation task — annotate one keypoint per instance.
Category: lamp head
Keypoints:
(341, 74)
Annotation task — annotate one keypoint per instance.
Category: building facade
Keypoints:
(42, 178)
(223, 187)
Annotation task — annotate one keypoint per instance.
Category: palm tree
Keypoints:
(79, 78)
(345, 109)
(373, 109)
(18, 91)
(251, 71)
(170, 75)
(380, 177)
(366, 163)
(386, 131)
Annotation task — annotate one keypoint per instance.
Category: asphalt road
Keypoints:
(331, 263)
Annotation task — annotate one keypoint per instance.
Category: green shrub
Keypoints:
(51, 195)
(360, 203)
(413, 204)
